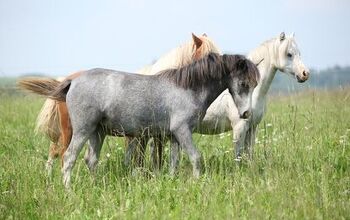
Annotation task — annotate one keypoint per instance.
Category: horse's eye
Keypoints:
(289, 55)
(244, 85)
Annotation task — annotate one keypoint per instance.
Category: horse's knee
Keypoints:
(195, 158)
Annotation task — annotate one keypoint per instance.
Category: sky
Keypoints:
(60, 37)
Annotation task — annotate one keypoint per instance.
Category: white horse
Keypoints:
(280, 53)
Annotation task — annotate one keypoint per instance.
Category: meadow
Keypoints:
(300, 169)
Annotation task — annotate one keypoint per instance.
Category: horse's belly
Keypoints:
(217, 120)
(216, 125)
(136, 126)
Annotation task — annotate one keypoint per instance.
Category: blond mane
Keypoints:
(180, 56)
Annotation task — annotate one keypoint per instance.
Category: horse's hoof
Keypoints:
(238, 159)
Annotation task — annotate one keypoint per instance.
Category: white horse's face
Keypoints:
(289, 59)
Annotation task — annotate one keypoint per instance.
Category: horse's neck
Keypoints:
(176, 58)
(267, 52)
(210, 92)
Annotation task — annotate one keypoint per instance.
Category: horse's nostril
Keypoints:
(305, 73)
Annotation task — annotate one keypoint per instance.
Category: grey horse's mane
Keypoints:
(213, 66)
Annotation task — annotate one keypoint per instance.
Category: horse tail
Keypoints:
(60, 92)
(47, 121)
(50, 88)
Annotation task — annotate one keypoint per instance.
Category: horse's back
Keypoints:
(121, 100)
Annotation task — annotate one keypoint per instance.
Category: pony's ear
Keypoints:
(197, 41)
(292, 35)
(204, 35)
(282, 36)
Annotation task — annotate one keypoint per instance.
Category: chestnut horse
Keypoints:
(54, 121)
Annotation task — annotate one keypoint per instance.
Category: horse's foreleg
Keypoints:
(250, 140)
(159, 146)
(131, 144)
(141, 151)
(184, 137)
(157, 152)
(174, 156)
(239, 134)
(153, 152)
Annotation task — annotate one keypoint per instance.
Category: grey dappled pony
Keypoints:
(106, 102)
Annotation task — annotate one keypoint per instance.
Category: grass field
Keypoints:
(300, 170)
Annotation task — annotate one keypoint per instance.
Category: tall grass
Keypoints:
(300, 170)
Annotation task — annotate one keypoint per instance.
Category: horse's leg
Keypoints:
(156, 152)
(93, 153)
(53, 153)
(70, 156)
(140, 156)
(131, 144)
(174, 156)
(65, 128)
(153, 152)
(239, 134)
(250, 140)
(184, 136)
(159, 146)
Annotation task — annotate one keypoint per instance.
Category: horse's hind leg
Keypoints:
(65, 128)
(70, 156)
(184, 137)
(93, 153)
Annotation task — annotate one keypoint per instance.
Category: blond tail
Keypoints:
(50, 88)
(47, 121)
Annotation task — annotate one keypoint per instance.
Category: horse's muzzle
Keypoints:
(304, 76)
